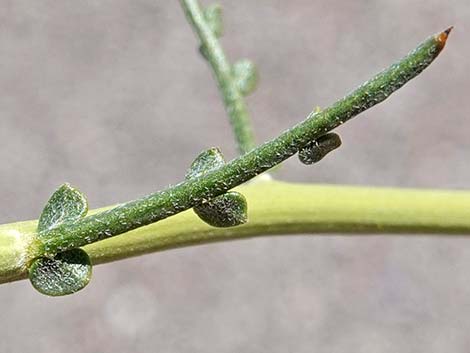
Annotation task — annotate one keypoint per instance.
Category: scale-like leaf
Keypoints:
(66, 205)
(207, 161)
(227, 210)
(246, 76)
(67, 273)
(213, 16)
(318, 149)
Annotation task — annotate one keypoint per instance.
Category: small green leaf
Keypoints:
(245, 75)
(207, 161)
(66, 205)
(213, 16)
(318, 149)
(227, 210)
(67, 273)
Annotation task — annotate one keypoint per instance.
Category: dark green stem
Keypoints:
(185, 195)
(233, 99)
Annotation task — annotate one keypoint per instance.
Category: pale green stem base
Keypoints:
(274, 208)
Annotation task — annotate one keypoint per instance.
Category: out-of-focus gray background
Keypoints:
(112, 97)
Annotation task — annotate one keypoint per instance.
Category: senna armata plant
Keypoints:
(57, 251)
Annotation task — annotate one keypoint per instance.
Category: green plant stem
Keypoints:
(233, 99)
(185, 195)
(275, 208)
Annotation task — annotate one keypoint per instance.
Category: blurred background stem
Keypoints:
(223, 71)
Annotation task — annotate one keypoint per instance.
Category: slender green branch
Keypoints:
(275, 208)
(187, 194)
(233, 98)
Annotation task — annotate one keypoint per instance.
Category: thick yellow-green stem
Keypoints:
(274, 208)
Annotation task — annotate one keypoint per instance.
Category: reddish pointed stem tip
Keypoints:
(441, 38)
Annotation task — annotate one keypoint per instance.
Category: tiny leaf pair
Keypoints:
(226, 210)
(69, 271)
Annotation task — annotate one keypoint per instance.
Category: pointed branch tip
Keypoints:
(442, 37)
